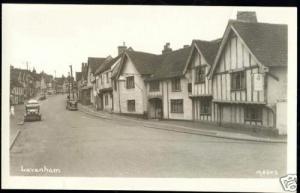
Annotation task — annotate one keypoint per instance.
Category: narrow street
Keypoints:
(82, 145)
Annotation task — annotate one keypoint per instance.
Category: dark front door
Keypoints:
(157, 109)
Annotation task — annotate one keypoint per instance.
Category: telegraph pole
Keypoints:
(72, 81)
(69, 86)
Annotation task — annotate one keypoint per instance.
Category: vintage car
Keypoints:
(42, 96)
(71, 104)
(32, 111)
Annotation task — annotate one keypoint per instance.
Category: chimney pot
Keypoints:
(122, 48)
(246, 16)
(167, 48)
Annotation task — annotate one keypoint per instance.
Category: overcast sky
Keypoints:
(52, 37)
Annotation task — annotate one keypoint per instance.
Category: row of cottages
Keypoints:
(239, 80)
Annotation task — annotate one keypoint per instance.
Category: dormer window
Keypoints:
(154, 86)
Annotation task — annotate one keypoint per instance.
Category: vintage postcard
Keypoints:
(104, 97)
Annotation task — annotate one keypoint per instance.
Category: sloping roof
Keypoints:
(94, 63)
(172, 64)
(209, 49)
(145, 63)
(107, 64)
(15, 83)
(268, 42)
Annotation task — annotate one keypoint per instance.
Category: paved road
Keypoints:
(81, 145)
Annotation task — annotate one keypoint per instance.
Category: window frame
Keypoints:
(175, 106)
(198, 78)
(156, 85)
(130, 83)
(258, 113)
(176, 85)
(242, 80)
(205, 106)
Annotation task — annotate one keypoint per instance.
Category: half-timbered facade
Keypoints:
(198, 66)
(249, 74)
(104, 84)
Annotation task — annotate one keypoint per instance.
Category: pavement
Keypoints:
(199, 128)
(78, 144)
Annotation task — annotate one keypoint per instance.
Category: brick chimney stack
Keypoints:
(167, 48)
(246, 16)
(122, 48)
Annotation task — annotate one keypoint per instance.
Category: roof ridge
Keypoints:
(262, 23)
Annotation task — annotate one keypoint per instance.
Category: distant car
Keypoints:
(42, 96)
(49, 93)
(32, 111)
(72, 105)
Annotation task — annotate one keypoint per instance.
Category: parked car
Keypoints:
(32, 111)
(42, 96)
(71, 104)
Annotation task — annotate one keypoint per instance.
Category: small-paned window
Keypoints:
(154, 86)
(238, 80)
(205, 106)
(253, 113)
(176, 85)
(177, 106)
(130, 82)
(200, 74)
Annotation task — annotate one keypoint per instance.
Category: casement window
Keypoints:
(130, 82)
(205, 106)
(238, 81)
(177, 106)
(200, 74)
(189, 87)
(176, 85)
(106, 100)
(154, 86)
(131, 105)
(253, 113)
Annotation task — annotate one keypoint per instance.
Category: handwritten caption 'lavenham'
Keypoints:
(41, 170)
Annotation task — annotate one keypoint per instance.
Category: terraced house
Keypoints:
(198, 66)
(167, 88)
(104, 84)
(129, 86)
(89, 89)
(250, 74)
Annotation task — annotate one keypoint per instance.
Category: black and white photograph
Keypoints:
(149, 97)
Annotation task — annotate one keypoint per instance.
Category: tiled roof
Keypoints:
(94, 63)
(268, 42)
(145, 63)
(171, 64)
(209, 49)
(15, 83)
(107, 64)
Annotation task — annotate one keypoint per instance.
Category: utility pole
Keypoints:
(72, 81)
(69, 85)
